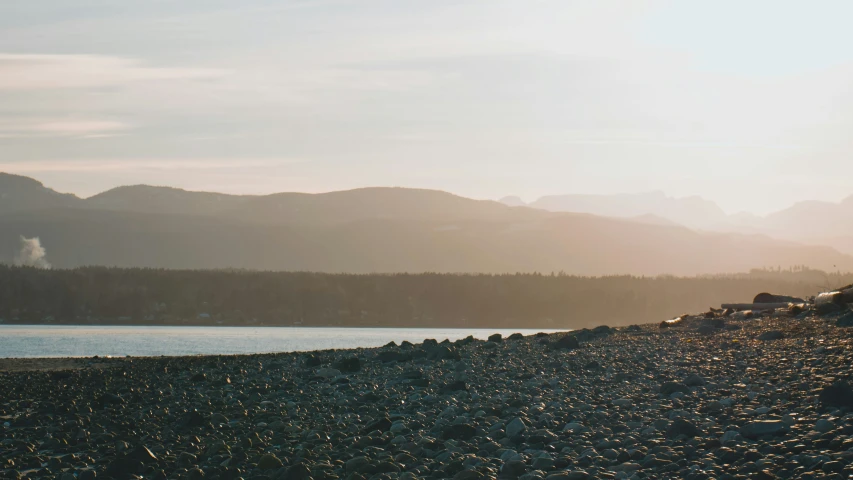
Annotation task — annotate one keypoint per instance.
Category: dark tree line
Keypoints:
(224, 297)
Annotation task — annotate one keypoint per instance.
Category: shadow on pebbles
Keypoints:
(732, 401)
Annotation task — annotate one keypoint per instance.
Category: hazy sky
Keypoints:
(747, 103)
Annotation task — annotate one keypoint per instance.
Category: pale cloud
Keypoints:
(40, 72)
(162, 164)
(80, 128)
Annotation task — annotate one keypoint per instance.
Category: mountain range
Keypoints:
(811, 222)
(372, 230)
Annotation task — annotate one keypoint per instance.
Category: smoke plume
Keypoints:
(32, 254)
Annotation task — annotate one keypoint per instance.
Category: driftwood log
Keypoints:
(838, 297)
(771, 298)
(756, 306)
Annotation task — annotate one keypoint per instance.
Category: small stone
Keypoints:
(680, 427)
(567, 342)
(348, 364)
(845, 320)
(298, 472)
(754, 430)
(669, 388)
(772, 335)
(543, 463)
(839, 394)
(512, 469)
(515, 427)
(354, 463)
(823, 425)
(328, 372)
(86, 474)
(573, 427)
(468, 475)
(269, 462)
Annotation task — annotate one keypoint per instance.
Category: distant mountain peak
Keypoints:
(19, 193)
(513, 201)
(693, 212)
(8, 180)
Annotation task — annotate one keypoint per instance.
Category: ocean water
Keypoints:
(30, 341)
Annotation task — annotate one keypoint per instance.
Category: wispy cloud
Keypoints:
(63, 127)
(39, 72)
(164, 164)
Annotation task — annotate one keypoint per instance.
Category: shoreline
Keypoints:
(722, 397)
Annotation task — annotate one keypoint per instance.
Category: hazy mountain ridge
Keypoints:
(376, 230)
(693, 212)
(813, 222)
(24, 193)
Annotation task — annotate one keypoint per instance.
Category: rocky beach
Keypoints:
(755, 394)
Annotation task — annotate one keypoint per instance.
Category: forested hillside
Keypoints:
(220, 297)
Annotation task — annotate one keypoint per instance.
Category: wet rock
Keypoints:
(706, 330)
(512, 469)
(566, 342)
(381, 425)
(839, 394)
(393, 356)
(86, 474)
(772, 335)
(754, 430)
(682, 427)
(348, 364)
(298, 471)
(515, 427)
(269, 462)
(845, 320)
(192, 419)
(669, 388)
(462, 431)
(312, 360)
(823, 425)
(443, 352)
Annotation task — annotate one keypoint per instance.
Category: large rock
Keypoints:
(515, 427)
(772, 335)
(754, 430)
(845, 320)
(669, 388)
(381, 425)
(512, 469)
(839, 394)
(393, 356)
(462, 431)
(269, 462)
(682, 427)
(298, 472)
(567, 342)
(348, 365)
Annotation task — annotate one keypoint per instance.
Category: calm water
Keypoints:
(85, 341)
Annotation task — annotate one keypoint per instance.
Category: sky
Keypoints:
(746, 103)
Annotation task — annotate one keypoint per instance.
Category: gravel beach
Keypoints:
(711, 396)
